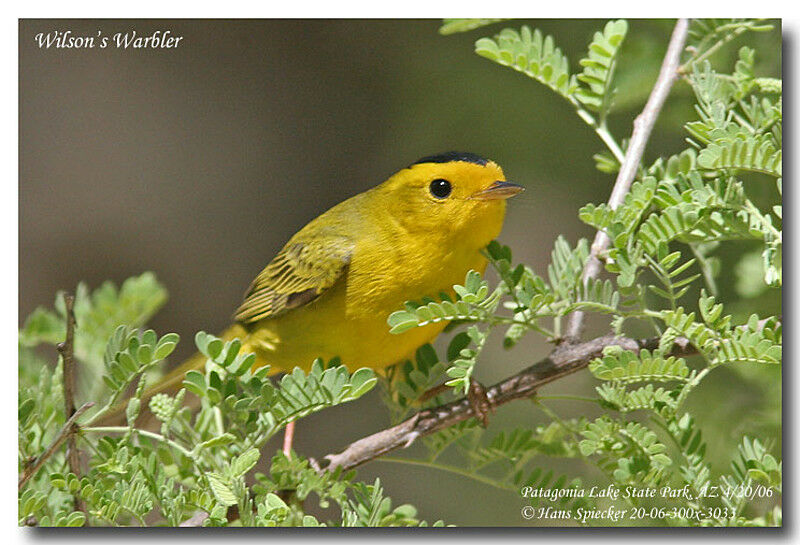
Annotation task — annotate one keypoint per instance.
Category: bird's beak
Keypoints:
(499, 190)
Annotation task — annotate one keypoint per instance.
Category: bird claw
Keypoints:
(479, 402)
(312, 462)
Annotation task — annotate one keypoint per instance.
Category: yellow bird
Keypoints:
(330, 289)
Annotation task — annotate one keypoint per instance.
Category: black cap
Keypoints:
(451, 156)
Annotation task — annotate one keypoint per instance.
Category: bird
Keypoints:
(330, 289)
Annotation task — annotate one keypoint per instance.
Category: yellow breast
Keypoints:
(349, 321)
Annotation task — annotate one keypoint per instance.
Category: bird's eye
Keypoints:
(440, 188)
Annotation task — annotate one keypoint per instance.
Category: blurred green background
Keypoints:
(199, 162)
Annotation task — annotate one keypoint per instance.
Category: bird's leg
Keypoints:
(286, 494)
(479, 402)
(288, 437)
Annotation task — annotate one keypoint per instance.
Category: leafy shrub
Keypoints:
(660, 285)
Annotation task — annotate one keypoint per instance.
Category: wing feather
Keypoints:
(300, 273)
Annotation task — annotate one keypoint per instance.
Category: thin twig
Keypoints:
(564, 360)
(67, 351)
(65, 431)
(642, 127)
(145, 433)
(684, 68)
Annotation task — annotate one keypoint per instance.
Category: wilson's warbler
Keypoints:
(330, 289)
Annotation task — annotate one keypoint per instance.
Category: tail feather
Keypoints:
(171, 382)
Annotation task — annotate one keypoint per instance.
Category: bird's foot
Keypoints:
(479, 402)
(476, 395)
(314, 464)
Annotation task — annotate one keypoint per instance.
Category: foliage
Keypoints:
(661, 269)
(99, 313)
(451, 26)
(197, 462)
(203, 450)
(591, 92)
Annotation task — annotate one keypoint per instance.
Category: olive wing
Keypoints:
(300, 273)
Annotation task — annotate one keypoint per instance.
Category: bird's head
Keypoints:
(453, 194)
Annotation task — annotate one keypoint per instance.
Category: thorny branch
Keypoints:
(642, 127)
(564, 360)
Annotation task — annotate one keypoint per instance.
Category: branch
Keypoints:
(66, 430)
(564, 360)
(67, 351)
(642, 127)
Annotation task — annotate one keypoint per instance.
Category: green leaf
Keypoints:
(402, 320)
(362, 381)
(245, 462)
(598, 67)
(626, 366)
(98, 314)
(75, 519)
(166, 345)
(757, 154)
(452, 26)
(217, 441)
(533, 55)
(221, 490)
(42, 325)
(566, 267)
(195, 382)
